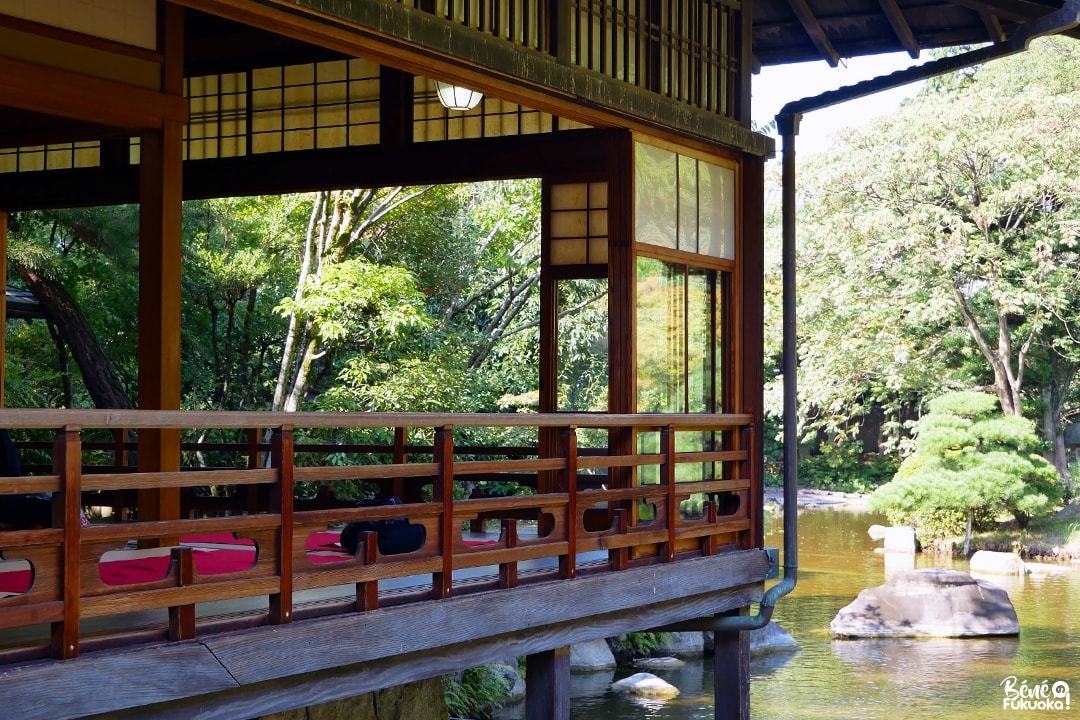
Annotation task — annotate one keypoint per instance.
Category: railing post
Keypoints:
(708, 542)
(508, 575)
(568, 562)
(619, 558)
(400, 458)
(443, 491)
(667, 477)
(281, 457)
(67, 463)
(182, 617)
(251, 492)
(367, 593)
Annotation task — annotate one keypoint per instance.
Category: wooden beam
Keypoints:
(580, 155)
(160, 211)
(28, 86)
(994, 32)
(900, 26)
(547, 694)
(750, 346)
(817, 33)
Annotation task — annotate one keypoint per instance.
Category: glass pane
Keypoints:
(716, 213)
(661, 336)
(702, 329)
(656, 195)
(583, 345)
(688, 202)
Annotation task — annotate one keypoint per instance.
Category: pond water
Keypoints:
(870, 679)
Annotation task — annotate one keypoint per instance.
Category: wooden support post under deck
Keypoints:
(547, 694)
(731, 675)
(160, 210)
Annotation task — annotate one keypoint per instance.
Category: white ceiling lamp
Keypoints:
(455, 97)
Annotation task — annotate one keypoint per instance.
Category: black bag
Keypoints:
(395, 536)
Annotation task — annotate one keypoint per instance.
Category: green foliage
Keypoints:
(970, 464)
(476, 692)
(842, 467)
(638, 644)
(937, 250)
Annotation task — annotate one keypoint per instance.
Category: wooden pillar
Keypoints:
(731, 675)
(3, 300)
(748, 366)
(622, 293)
(160, 199)
(547, 694)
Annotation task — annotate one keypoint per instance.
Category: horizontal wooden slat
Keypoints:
(30, 538)
(415, 511)
(618, 461)
(475, 467)
(465, 508)
(641, 537)
(29, 485)
(170, 528)
(719, 456)
(164, 597)
(710, 486)
(364, 472)
(135, 419)
(721, 527)
(504, 555)
(150, 480)
(23, 615)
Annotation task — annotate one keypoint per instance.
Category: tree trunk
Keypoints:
(99, 377)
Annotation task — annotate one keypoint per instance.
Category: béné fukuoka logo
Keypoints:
(1040, 696)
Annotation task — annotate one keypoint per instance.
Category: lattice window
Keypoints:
(50, 157)
(683, 50)
(524, 22)
(318, 105)
(579, 224)
(218, 121)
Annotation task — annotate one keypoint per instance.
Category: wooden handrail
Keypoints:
(68, 585)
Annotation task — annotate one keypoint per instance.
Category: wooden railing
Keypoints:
(580, 526)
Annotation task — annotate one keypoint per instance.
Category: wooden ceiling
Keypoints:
(789, 31)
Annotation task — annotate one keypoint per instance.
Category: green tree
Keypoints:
(939, 249)
(970, 461)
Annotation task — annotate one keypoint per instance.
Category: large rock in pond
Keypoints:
(897, 539)
(928, 603)
(645, 685)
(682, 644)
(591, 656)
(987, 562)
(771, 638)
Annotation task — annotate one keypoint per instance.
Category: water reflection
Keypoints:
(870, 679)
